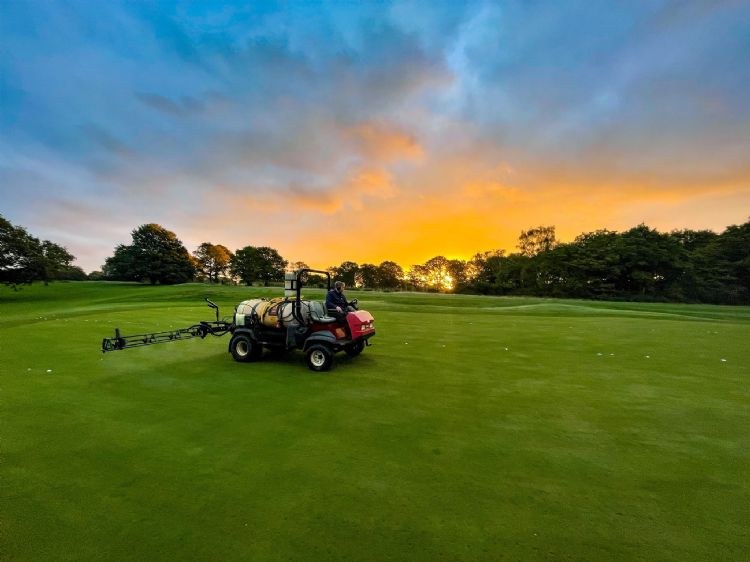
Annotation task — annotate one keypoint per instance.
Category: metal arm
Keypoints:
(213, 305)
(217, 328)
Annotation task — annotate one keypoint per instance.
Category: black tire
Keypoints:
(244, 349)
(319, 358)
(355, 349)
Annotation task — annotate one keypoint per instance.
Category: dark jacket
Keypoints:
(334, 299)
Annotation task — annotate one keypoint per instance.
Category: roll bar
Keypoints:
(297, 309)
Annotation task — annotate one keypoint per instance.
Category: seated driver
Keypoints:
(336, 303)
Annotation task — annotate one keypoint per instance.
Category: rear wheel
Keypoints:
(319, 358)
(244, 349)
(355, 349)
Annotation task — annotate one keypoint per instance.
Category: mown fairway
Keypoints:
(474, 428)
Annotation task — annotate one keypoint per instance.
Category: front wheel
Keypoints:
(244, 349)
(319, 358)
(355, 349)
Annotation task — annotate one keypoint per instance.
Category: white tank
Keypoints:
(272, 313)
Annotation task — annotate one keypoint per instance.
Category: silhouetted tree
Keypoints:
(417, 277)
(536, 240)
(23, 258)
(156, 255)
(725, 264)
(650, 262)
(389, 275)
(345, 272)
(435, 274)
(260, 263)
(367, 276)
(458, 271)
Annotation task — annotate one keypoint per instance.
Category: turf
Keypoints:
(473, 428)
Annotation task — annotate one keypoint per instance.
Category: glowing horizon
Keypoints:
(370, 132)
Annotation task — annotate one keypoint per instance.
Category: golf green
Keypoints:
(473, 428)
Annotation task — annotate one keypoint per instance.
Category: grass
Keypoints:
(474, 428)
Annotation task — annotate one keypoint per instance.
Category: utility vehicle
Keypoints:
(281, 324)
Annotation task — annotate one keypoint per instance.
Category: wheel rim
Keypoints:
(243, 348)
(318, 358)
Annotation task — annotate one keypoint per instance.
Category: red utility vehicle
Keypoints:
(300, 324)
(277, 324)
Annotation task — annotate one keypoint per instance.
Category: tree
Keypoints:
(257, 264)
(242, 264)
(417, 277)
(482, 271)
(536, 240)
(212, 260)
(458, 271)
(487, 268)
(593, 264)
(693, 240)
(725, 263)
(20, 255)
(23, 258)
(70, 273)
(477, 263)
(650, 262)
(121, 266)
(156, 255)
(389, 275)
(436, 274)
(56, 261)
(367, 276)
(346, 272)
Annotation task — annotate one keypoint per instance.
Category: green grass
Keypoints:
(474, 428)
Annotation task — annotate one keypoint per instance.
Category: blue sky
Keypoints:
(434, 127)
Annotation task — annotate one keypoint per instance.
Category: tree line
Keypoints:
(156, 255)
(638, 264)
(24, 258)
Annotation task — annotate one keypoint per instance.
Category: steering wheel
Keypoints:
(353, 304)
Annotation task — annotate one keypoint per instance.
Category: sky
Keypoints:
(358, 131)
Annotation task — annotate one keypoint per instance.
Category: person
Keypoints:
(336, 303)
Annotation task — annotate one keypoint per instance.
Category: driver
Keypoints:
(336, 303)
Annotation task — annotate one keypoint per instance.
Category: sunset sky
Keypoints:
(366, 132)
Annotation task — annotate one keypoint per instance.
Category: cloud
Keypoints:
(451, 125)
(383, 142)
(353, 193)
(108, 142)
(186, 105)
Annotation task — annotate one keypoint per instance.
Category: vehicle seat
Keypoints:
(318, 313)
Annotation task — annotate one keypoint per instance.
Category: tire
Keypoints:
(244, 349)
(319, 358)
(355, 349)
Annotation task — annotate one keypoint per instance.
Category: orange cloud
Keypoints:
(481, 189)
(355, 192)
(384, 143)
(454, 205)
